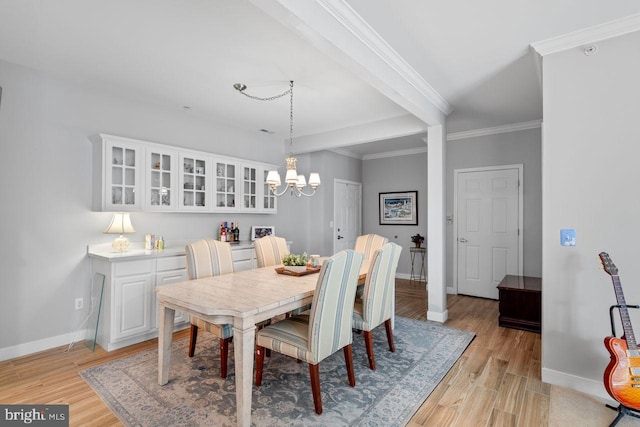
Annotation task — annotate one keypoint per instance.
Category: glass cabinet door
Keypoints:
(160, 189)
(194, 183)
(225, 182)
(123, 178)
(250, 188)
(268, 199)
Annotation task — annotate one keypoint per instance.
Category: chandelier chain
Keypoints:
(269, 98)
(291, 117)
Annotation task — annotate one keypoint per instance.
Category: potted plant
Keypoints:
(417, 239)
(297, 263)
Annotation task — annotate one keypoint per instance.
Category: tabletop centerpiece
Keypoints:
(295, 263)
(417, 239)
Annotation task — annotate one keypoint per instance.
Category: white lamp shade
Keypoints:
(314, 179)
(302, 182)
(273, 178)
(120, 224)
(292, 177)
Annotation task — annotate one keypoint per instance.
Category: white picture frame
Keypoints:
(258, 231)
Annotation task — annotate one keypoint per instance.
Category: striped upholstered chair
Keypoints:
(270, 250)
(367, 244)
(315, 336)
(207, 258)
(376, 305)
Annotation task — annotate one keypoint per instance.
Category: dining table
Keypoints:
(241, 299)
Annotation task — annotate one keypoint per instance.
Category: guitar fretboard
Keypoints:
(624, 314)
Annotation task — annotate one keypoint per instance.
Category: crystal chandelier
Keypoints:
(293, 181)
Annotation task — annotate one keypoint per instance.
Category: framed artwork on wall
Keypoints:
(399, 208)
(258, 231)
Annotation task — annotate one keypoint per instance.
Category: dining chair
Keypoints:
(206, 258)
(326, 329)
(367, 244)
(376, 306)
(270, 250)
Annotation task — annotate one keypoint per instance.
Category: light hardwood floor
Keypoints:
(496, 382)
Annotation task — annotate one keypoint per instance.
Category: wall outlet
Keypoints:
(79, 303)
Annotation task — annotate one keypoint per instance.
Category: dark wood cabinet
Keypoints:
(520, 303)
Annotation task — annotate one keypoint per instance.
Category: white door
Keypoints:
(488, 221)
(347, 214)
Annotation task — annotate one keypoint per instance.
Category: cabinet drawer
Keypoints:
(171, 263)
(242, 254)
(130, 268)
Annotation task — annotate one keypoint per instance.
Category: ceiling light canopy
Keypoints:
(293, 181)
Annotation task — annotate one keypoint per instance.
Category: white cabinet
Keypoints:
(117, 174)
(129, 308)
(194, 182)
(170, 270)
(225, 185)
(249, 188)
(256, 195)
(269, 201)
(161, 166)
(129, 312)
(132, 299)
(244, 258)
(133, 175)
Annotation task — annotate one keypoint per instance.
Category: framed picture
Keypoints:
(399, 208)
(258, 231)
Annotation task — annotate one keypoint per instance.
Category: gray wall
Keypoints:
(395, 174)
(334, 166)
(521, 147)
(45, 181)
(590, 177)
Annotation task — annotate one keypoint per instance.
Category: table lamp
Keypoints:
(120, 224)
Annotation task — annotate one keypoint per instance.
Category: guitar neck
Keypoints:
(624, 314)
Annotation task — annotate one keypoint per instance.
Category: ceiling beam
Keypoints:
(360, 134)
(334, 28)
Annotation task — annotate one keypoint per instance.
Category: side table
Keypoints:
(520, 303)
(418, 273)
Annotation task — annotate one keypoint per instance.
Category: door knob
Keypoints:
(340, 237)
(462, 240)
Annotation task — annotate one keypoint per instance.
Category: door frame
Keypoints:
(334, 234)
(456, 174)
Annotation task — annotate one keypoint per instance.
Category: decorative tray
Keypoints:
(309, 270)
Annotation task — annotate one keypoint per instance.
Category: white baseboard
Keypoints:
(438, 316)
(41, 345)
(584, 385)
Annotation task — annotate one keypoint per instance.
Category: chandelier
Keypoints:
(293, 181)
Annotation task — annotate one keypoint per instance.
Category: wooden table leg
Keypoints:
(244, 331)
(165, 338)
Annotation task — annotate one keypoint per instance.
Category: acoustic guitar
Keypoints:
(622, 375)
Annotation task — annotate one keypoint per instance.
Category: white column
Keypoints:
(436, 286)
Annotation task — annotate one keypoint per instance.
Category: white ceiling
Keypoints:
(475, 55)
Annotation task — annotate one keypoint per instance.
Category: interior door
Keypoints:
(488, 222)
(347, 214)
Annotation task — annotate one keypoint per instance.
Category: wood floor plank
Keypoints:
(478, 407)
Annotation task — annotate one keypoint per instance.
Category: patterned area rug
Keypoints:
(197, 396)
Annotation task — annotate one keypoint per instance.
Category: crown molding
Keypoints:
(604, 31)
(347, 153)
(407, 152)
(356, 25)
(494, 130)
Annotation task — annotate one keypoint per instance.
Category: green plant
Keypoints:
(417, 238)
(293, 259)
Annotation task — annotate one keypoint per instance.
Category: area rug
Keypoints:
(197, 396)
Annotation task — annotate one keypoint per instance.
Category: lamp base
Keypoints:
(120, 244)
